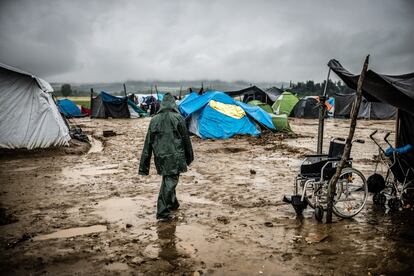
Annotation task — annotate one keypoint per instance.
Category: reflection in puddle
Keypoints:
(71, 232)
(89, 170)
(198, 200)
(167, 239)
(24, 169)
(125, 210)
(117, 266)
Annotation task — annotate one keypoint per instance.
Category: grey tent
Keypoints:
(255, 93)
(376, 111)
(106, 105)
(29, 117)
(343, 105)
(367, 110)
(397, 91)
(307, 107)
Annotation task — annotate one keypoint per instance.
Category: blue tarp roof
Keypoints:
(108, 98)
(257, 114)
(69, 108)
(207, 122)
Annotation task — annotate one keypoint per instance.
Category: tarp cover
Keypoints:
(397, 91)
(376, 111)
(211, 121)
(307, 108)
(106, 105)
(69, 109)
(29, 117)
(268, 96)
(343, 105)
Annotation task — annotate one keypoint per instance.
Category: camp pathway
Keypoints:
(92, 213)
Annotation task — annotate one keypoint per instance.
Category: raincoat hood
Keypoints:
(168, 104)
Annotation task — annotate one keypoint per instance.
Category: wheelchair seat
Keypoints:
(313, 164)
(313, 170)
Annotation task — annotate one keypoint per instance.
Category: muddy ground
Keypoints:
(91, 214)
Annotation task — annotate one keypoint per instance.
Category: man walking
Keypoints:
(168, 138)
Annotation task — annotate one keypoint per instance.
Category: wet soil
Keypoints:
(92, 214)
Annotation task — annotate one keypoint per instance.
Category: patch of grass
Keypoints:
(84, 101)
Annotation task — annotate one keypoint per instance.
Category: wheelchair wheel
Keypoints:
(351, 193)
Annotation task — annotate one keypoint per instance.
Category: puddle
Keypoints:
(117, 266)
(78, 171)
(25, 169)
(132, 210)
(96, 145)
(194, 199)
(72, 232)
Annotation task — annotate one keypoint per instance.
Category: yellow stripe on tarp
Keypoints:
(230, 110)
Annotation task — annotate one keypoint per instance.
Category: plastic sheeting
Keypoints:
(105, 105)
(29, 117)
(306, 108)
(258, 114)
(69, 109)
(207, 122)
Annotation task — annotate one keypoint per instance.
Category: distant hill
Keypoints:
(173, 87)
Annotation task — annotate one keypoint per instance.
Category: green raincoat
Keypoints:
(168, 138)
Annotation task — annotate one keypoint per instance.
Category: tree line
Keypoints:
(310, 88)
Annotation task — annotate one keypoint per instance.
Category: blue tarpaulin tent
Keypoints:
(69, 109)
(218, 116)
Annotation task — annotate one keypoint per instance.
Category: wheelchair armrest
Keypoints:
(337, 159)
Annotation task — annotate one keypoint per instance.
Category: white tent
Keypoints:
(29, 117)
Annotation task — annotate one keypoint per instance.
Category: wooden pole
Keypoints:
(397, 129)
(91, 101)
(348, 143)
(125, 90)
(322, 111)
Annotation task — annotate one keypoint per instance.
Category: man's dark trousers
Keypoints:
(167, 200)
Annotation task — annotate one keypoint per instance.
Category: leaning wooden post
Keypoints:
(348, 144)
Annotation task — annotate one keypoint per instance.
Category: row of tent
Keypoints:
(29, 116)
(339, 106)
(104, 105)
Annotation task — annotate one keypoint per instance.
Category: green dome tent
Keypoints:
(281, 122)
(263, 106)
(285, 103)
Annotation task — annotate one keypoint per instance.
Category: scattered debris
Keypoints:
(108, 133)
(252, 171)
(268, 224)
(6, 218)
(128, 225)
(137, 260)
(315, 238)
(223, 219)
(25, 237)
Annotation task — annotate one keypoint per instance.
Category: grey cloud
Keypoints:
(83, 41)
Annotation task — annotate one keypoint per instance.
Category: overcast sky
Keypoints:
(87, 41)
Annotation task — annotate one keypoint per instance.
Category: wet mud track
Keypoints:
(92, 214)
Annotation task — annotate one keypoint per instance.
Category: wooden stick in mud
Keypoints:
(348, 143)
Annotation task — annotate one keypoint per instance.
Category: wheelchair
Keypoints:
(311, 184)
(398, 184)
